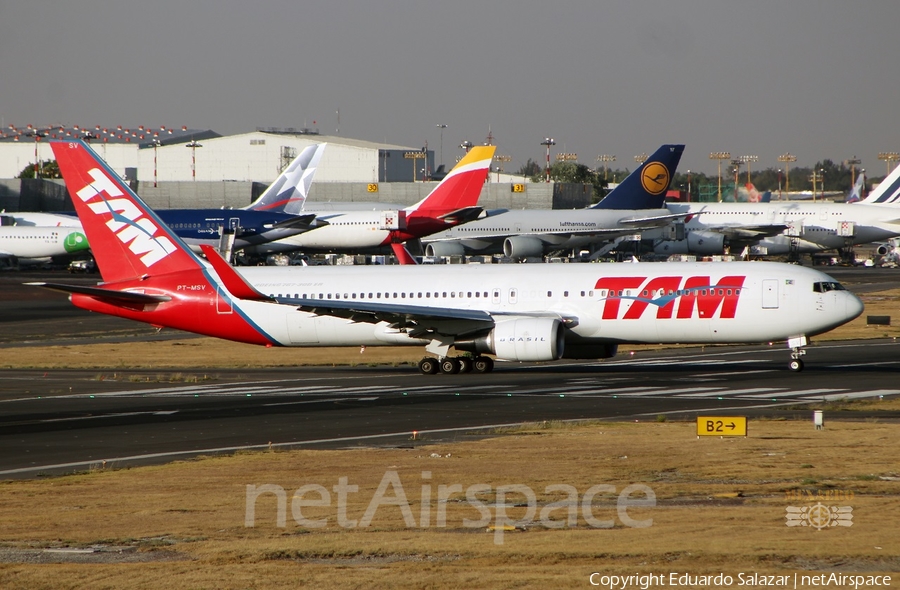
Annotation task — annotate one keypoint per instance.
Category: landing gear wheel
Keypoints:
(428, 366)
(449, 366)
(483, 364)
(795, 365)
(465, 364)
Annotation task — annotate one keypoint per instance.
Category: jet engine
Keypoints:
(444, 249)
(697, 242)
(521, 247)
(524, 339)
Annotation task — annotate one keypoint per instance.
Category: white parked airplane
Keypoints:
(637, 204)
(451, 202)
(37, 244)
(783, 227)
(515, 312)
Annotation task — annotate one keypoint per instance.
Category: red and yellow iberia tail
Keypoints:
(126, 237)
(460, 188)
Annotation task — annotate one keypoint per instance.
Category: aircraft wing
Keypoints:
(418, 321)
(748, 232)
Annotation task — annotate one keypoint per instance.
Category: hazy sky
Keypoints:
(817, 78)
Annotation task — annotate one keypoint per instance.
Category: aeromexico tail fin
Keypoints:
(127, 239)
(289, 191)
(887, 192)
(234, 283)
(646, 187)
(460, 188)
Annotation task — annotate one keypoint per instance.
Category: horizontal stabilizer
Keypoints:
(462, 215)
(115, 297)
(298, 221)
(234, 283)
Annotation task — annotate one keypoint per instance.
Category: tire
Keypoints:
(465, 364)
(428, 366)
(449, 366)
(795, 365)
(483, 364)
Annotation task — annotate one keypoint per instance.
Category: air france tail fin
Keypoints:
(127, 239)
(646, 187)
(856, 192)
(289, 191)
(461, 187)
(887, 192)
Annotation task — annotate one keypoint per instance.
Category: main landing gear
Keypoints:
(452, 365)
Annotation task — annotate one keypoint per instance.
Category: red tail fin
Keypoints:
(127, 239)
(460, 188)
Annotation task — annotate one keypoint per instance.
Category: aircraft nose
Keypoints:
(854, 306)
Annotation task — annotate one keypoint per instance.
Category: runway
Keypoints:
(68, 420)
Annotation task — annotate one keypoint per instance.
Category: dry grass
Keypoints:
(720, 508)
(213, 353)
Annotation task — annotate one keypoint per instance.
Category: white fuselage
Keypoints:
(40, 243)
(555, 228)
(601, 303)
(812, 226)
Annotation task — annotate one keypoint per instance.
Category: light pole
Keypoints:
(748, 160)
(720, 156)
(814, 177)
(501, 159)
(787, 159)
(779, 184)
(641, 158)
(193, 145)
(441, 126)
(853, 163)
(37, 135)
(466, 145)
(888, 158)
(606, 159)
(156, 143)
(689, 185)
(548, 141)
(736, 164)
(562, 157)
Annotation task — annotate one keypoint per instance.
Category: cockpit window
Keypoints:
(826, 286)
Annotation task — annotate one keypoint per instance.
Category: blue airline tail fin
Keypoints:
(646, 187)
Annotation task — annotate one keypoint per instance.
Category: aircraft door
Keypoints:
(770, 293)
(223, 303)
(234, 223)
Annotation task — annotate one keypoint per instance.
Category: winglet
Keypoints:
(646, 187)
(460, 188)
(234, 283)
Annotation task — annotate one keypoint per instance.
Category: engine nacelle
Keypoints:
(882, 250)
(697, 242)
(590, 351)
(521, 247)
(525, 339)
(437, 249)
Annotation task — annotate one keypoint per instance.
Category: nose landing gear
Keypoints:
(797, 351)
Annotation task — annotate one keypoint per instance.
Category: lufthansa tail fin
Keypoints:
(461, 187)
(289, 191)
(127, 239)
(646, 187)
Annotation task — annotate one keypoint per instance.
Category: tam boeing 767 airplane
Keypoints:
(513, 312)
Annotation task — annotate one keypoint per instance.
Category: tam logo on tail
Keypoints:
(136, 231)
